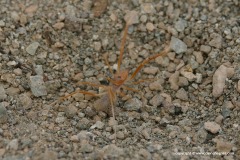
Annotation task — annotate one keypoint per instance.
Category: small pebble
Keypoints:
(216, 41)
(150, 70)
(180, 25)
(147, 8)
(150, 26)
(228, 104)
(84, 135)
(98, 125)
(12, 63)
(155, 86)
(198, 77)
(38, 69)
(13, 145)
(145, 134)
(145, 154)
(120, 135)
(31, 9)
(225, 112)
(156, 100)
(86, 147)
(182, 94)
(60, 120)
(212, 127)
(32, 48)
(58, 25)
(189, 75)
(2, 93)
(132, 17)
(97, 46)
(223, 146)
(173, 80)
(133, 104)
(3, 114)
(13, 91)
(205, 48)
(219, 78)
(219, 119)
(17, 71)
(83, 124)
(37, 86)
(25, 101)
(113, 17)
(70, 111)
(15, 16)
(182, 81)
(143, 18)
(199, 57)
(177, 45)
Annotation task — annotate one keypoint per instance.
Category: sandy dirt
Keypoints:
(190, 108)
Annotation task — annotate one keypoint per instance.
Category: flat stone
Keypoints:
(12, 63)
(180, 25)
(38, 69)
(13, 91)
(156, 100)
(216, 41)
(182, 81)
(205, 48)
(156, 85)
(182, 94)
(13, 145)
(151, 70)
(58, 25)
(32, 48)
(178, 45)
(132, 17)
(17, 71)
(37, 86)
(25, 101)
(70, 111)
(223, 146)
(212, 127)
(150, 26)
(147, 8)
(133, 104)
(219, 77)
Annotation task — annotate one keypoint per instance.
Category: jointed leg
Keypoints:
(130, 89)
(163, 53)
(122, 47)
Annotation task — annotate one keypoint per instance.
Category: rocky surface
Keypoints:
(189, 102)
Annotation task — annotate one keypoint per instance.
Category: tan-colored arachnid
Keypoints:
(108, 98)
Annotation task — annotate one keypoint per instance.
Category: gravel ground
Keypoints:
(192, 104)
